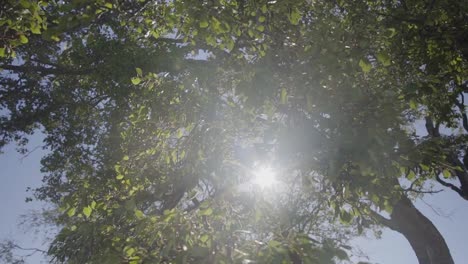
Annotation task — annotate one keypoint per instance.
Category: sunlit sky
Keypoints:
(447, 211)
(264, 176)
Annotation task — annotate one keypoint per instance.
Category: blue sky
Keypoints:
(19, 173)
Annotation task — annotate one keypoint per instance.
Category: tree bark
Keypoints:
(426, 241)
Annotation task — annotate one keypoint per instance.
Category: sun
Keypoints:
(264, 177)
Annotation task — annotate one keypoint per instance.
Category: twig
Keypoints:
(29, 153)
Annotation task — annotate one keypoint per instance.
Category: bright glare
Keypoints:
(264, 177)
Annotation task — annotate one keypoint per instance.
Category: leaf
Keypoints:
(204, 23)
(207, 211)
(139, 214)
(413, 105)
(250, 33)
(384, 58)
(230, 44)
(261, 19)
(71, 212)
(2, 52)
(119, 177)
(284, 96)
(35, 29)
(274, 244)
(139, 72)
(23, 39)
(204, 238)
(365, 65)
(126, 157)
(129, 251)
(345, 217)
(447, 174)
(108, 5)
(424, 167)
(388, 207)
(295, 16)
(117, 168)
(87, 211)
(25, 3)
(136, 80)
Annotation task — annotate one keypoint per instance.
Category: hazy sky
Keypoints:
(17, 174)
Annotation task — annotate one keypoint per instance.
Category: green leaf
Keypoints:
(204, 23)
(204, 238)
(130, 251)
(388, 207)
(284, 96)
(126, 157)
(2, 52)
(119, 177)
(424, 167)
(230, 44)
(250, 33)
(413, 105)
(25, 3)
(207, 211)
(35, 29)
(139, 72)
(108, 5)
(87, 211)
(23, 39)
(365, 65)
(274, 244)
(136, 80)
(345, 217)
(447, 174)
(261, 19)
(71, 212)
(384, 58)
(139, 214)
(295, 16)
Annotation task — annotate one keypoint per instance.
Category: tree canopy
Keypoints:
(156, 115)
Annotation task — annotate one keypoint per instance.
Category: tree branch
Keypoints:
(382, 220)
(432, 130)
(451, 186)
(44, 70)
(461, 106)
(410, 188)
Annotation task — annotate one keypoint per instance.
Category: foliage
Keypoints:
(19, 20)
(148, 136)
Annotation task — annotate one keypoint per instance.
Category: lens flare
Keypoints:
(264, 177)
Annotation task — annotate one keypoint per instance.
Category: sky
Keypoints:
(447, 211)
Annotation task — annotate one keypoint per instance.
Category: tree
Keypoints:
(325, 91)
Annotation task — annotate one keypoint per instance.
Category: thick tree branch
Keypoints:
(461, 107)
(384, 221)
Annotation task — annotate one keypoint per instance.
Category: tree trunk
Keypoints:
(425, 239)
